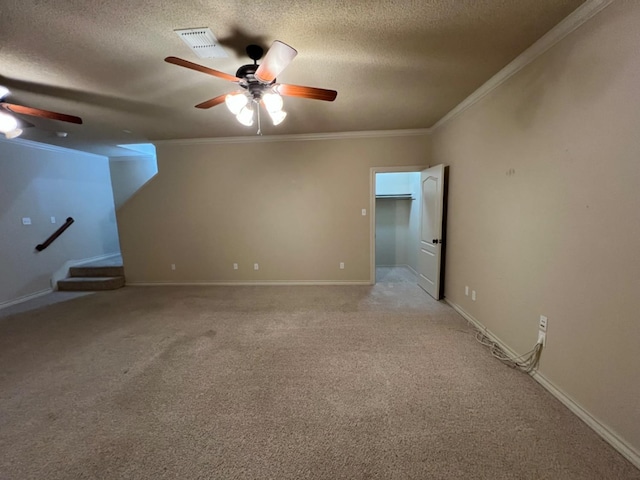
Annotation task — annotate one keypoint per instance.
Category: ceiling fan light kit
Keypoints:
(9, 124)
(258, 85)
(245, 116)
(278, 117)
(15, 133)
(236, 102)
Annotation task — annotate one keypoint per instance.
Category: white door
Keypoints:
(431, 184)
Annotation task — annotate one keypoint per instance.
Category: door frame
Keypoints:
(372, 210)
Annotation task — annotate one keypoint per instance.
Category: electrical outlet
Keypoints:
(256, 266)
(235, 266)
(466, 290)
(26, 220)
(543, 323)
(542, 330)
(364, 212)
(341, 265)
(473, 295)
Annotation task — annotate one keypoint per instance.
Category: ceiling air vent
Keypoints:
(202, 42)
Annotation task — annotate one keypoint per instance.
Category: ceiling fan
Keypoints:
(12, 127)
(258, 84)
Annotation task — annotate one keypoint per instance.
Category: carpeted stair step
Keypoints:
(75, 284)
(97, 271)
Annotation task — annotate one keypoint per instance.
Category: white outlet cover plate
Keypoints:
(543, 323)
(542, 337)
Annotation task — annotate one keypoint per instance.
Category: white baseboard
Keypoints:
(605, 432)
(25, 298)
(292, 283)
(398, 266)
(608, 435)
(61, 273)
(412, 270)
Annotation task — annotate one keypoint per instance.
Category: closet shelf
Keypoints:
(397, 196)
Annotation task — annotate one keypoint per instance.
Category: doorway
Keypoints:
(395, 223)
(408, 226)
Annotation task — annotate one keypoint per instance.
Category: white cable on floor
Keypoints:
(527, 362)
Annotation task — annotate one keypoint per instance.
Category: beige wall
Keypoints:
(561, 235)
(392, 232)
(40, 183)
(293, 207)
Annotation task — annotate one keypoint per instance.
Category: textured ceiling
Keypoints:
(396, 64)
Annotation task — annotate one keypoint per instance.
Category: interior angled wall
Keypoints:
(544, 215)
(129, 174)
(40, 182)
(293, 206)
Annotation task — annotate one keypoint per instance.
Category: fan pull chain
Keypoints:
(259, 128)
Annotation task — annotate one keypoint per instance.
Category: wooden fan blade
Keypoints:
(37, 112)
(213, 102)
(306, 92)
(199, 68)
(275, 61)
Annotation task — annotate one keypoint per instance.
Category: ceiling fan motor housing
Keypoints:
(246, 70)
(255, 87)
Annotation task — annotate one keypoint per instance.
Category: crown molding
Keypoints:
(575, 19)
(49, 148)
(295, 137)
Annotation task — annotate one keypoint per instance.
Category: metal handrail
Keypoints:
(55, 235)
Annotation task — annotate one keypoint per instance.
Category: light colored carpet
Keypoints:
(275, 382)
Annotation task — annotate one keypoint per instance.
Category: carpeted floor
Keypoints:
(275, 383)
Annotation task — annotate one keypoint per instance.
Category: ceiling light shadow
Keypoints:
(90, 98)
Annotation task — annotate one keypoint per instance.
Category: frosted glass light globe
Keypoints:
(7, 123)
